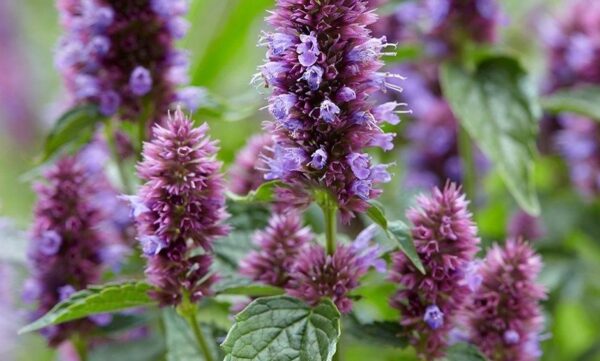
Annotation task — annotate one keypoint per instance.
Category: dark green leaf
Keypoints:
(241, 288)
(380, 332)
(583, 100)
(376, 213)
(95, 300)
(230, 250)
(497, 107)
(74, 126)
(283, 328)
(398, 232)
(464, 352)
(264, 193)
(146, 349)
(401, 233)
(181, 343)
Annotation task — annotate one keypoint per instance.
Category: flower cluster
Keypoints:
(180, 209)
(120, 55)
(65, 251)
(432, 150)
(322, 66)
(446, 241)
(524, 226)
(246, 173)
(574, 56)
(504, 319)
(279, 245)
(316, 275)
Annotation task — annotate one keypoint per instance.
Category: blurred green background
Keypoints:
(222, 41)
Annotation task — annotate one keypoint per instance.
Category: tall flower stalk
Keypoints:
(179, 212)
(446, 241)
(323, 64)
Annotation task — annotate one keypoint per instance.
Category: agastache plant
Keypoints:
(504, 316)
(120, 55)
(323, 64)
(245, 174)
(66, 245)
(179, 209)
(446, 240)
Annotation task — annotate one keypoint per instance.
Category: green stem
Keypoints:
(465, 148)
(191, 318)
(80, 346)
(188, 311)
(110, 138)
(330, 212)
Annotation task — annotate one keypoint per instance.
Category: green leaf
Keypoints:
(74, 126)
(398, 232)
(584, 100)
(181, 343)
(145, 349)
(94, 300)
(264, 193)
(380, 332)
(376, 213)
(496, 105)
(240, 288)
(464, 352)
(283, 328)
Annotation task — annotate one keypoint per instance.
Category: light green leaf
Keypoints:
(74, 127)
(398, 232)
(497, 107)
(95, 300)
(584, 100)
(464, 352)
(264, 193)
(181, 343)
(284, 328)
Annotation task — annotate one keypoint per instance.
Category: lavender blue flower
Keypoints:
(446, 241)
(322, 70)
(504, 315)
(180, 209)
(279, 245)
(316, 275)
(66, 245)
(120, 55)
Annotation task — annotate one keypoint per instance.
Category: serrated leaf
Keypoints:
(584, 100)
(464, 352)
(181, 343)
(496, 106)
(264, 193)
(95, 300)
(398, 232)
(75, 125)
(283, 328)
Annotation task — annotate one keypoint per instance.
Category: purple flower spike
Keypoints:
(446, 241)
(504, 315)
(323, 70)
(279, 245)
(66, 243)
(114, 52)
(247, 172)
(184, 197)
(316, 275)
(360, 165)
